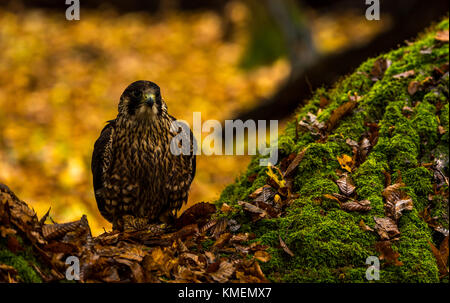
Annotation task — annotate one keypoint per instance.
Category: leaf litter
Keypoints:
(178, 253)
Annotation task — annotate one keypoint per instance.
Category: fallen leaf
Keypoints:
(198, 213)
(265, 194)
(262, 256)
(253, 209)
(364, 148)
(4, 231)
(396, 200)
(224, 272)
(379, 67)
(413, 87)
(278, 182)
(285, 247)
(361, 206)
(426, 51)
(295, 162)
(225, 208)
(443, 249)
(387, 253)
(331, 197)
(135, 268)
(441, 262)
(345, 185)
(364, 226)
(340, 112)
(323, 102)
(54, 231)
(396, 208)
(442, 35)
(393, 192)
(222, 240)
(233, 226)
(406, 74)
(311, 124)
(346, 162)
(386, 228)
(219, 228)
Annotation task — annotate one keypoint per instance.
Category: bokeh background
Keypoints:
(60, 80)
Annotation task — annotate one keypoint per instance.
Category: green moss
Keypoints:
(21, 261)
(328, 243)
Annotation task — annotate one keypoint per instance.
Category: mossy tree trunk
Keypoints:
(328, 243)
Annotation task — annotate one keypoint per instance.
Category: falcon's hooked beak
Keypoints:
(149, 99)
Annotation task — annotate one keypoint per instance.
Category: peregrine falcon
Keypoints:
(137, 178)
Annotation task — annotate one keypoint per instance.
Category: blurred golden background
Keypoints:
(60, 82)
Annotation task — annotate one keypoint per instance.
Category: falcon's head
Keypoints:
(142, 99)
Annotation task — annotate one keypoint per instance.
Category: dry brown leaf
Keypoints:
(211, 258)
(222, 275)
(346, 162)
(208, 225)
(239, 238)
(340, 112)
(220, 227)
(295, 162)
(4, 231)
(386, 228)
(399, 206)
(379, 67)
(387, 253)
(364, 148)
(413, 87)
(262, 256)
(253, 209)
(257, 192)
(364, 226)
(443, 249)
(331, 197)
(360, 206)
(345, 185)
(222, 240)
(442, 35)
(396, 200)
(135, 253)
(441, 261)
(406, 74)
(225, 208)
(135, 268)
(285, 247)
(311, 124)
(323, 101)
(266, 194)
(54, 231)
(110, 275)
(198, 213)
(393, 192)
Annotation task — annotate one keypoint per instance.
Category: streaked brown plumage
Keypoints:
(136, 176)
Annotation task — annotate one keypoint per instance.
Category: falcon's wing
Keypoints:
(193, 151)
(186, 175)
(101, 161)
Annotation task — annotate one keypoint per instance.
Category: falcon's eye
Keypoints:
(137, 94)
